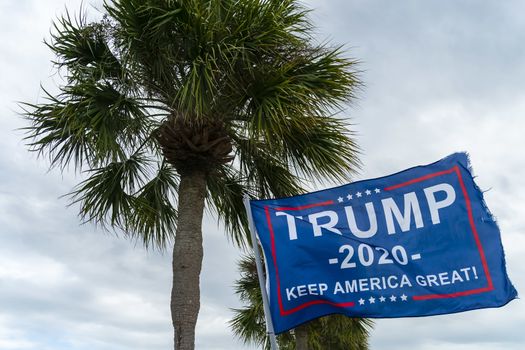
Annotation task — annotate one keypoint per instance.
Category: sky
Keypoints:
(440, 77)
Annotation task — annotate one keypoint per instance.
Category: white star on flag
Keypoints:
(377, 190)
(404, 297)
(393, 298)
(340, 199)
(361, 301)
(372, 300)
(368, 192)
(349, 196)
(358, 194)
(382, 299)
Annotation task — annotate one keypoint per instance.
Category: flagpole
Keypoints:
(260, 273)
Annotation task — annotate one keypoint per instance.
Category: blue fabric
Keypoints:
(416, 243)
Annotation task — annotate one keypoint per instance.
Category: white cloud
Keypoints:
(12, 339)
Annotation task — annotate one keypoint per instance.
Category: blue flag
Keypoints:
(416, 243)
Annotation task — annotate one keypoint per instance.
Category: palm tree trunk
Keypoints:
(187, 259)
(301, 337)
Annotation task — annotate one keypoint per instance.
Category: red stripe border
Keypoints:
(479, 246)
(490, 286)
(274, 258)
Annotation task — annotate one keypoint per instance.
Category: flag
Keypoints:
(419, 242)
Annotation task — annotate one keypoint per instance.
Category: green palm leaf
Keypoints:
(334, 332)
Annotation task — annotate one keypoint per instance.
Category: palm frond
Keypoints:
(249, 326)
(84, 49)
(339, 332)
(264, 171)
(226, 189)
(148, 37)
(314, 82)
(87, 124)
(152, 217)
(335, 332)
(105, 196)
(323, 147)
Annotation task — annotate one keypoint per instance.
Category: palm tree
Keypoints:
(168, 105)
(335, 332)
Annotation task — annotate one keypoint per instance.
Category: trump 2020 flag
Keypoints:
(416, 243)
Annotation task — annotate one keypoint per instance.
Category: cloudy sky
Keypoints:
(441, 76)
